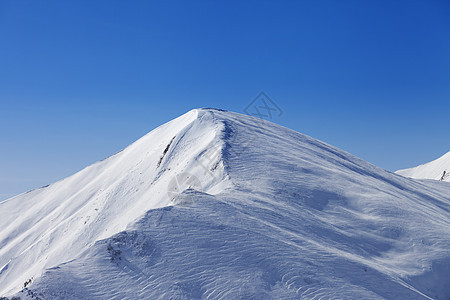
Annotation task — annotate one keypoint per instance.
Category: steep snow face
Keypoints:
(438, 169)
(230, 207)
(51, 225)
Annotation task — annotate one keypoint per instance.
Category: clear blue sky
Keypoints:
(80, 80)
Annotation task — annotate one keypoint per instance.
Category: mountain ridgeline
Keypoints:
(220, 205)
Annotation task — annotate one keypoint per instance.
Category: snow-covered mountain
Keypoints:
(219, 205)
(438, 169)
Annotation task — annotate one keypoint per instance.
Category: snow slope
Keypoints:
(219, 205)
(438, 169)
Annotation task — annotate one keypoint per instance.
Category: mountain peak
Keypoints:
(438, 169)
(105, 197)
(216, 204)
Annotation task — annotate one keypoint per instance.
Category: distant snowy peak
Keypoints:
(438, 169)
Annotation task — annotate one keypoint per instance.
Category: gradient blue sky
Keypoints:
(80, 80)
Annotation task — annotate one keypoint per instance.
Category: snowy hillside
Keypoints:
(219, 205)
(438, 169)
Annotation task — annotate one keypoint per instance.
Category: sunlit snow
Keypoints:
(219, 205)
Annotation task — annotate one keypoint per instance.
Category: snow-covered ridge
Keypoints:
(438, 169)
(53, 224)
(220, 205)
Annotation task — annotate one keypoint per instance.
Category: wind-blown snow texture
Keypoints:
(438, 169)
(218, 205)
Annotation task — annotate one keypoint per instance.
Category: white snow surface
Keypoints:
(438, 169)
(219, 205)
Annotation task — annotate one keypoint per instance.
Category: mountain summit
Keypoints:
(220, 205)
(438, 169)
